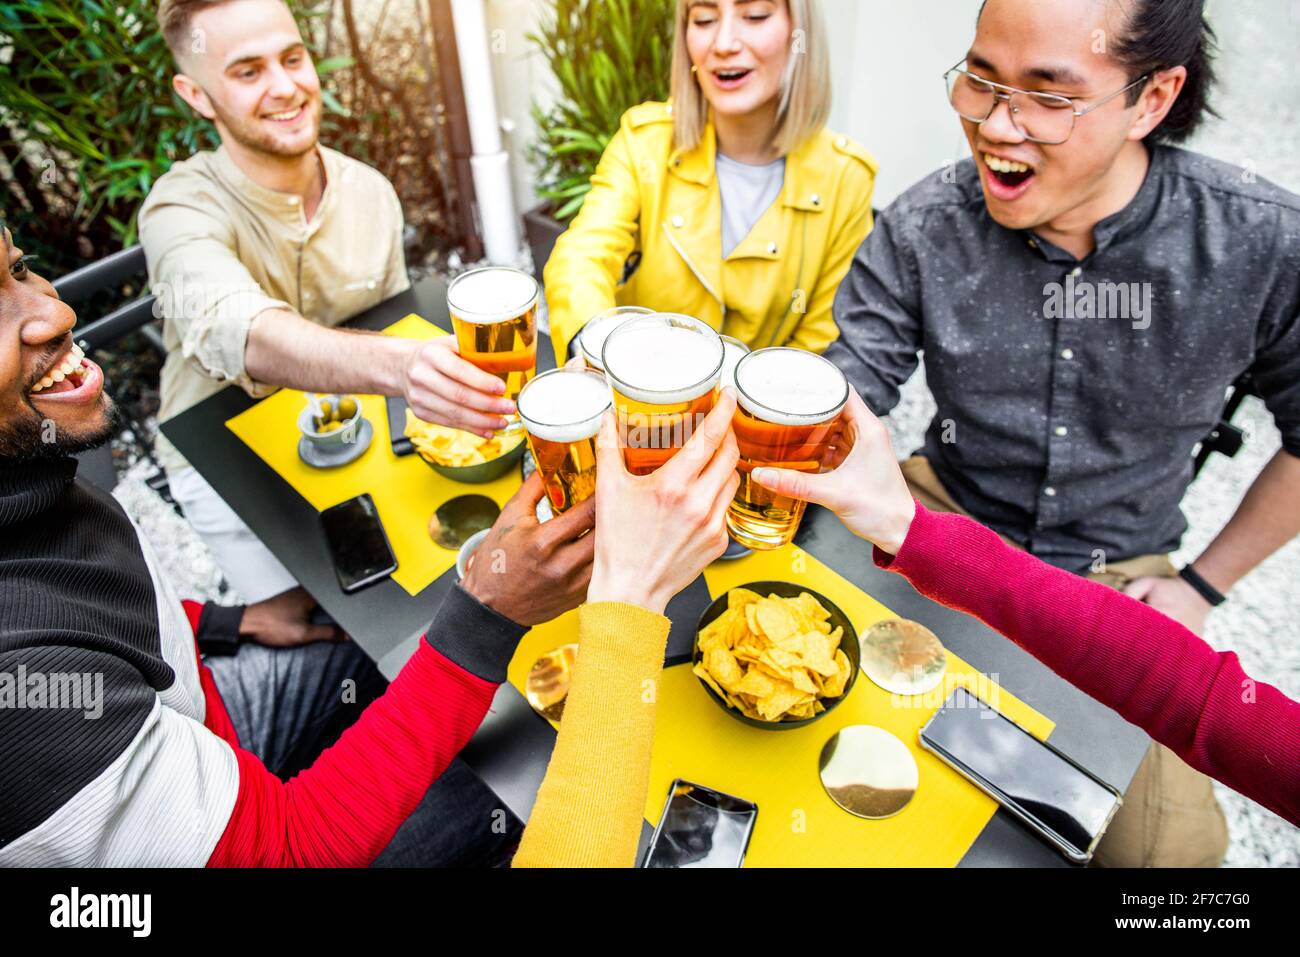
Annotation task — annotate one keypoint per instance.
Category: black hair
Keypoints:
(1159, 35)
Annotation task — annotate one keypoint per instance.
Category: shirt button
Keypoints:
(371, 284)
(1061, 430)
(1067, 354)
(1033, 244)
(1050, 491)
(293, 200)
(678, 222)
(816, 199)
(771, 249)
(842, 142)
(1076, 272)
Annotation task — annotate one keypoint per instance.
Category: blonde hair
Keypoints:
(805, 98)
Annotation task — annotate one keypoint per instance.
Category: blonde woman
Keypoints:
(733, 202)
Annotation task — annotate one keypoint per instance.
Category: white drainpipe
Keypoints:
(490, 162)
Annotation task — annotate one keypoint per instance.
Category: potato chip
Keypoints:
(452, 447)
(773, 658)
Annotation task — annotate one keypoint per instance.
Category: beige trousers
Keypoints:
(1169, 817)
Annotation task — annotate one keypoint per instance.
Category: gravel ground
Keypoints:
(1260, 132)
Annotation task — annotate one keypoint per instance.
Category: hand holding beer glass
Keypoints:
(865, 489)
(664, 371)
(656, 533)
(494, 316)
(789, 405)
(562, 410)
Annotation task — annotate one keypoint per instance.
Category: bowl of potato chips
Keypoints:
(463, 456)
(776, 655)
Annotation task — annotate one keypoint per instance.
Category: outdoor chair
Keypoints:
(112, 273)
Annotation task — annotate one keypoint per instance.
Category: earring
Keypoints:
(694, 70)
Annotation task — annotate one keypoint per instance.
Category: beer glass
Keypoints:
(591, 340)
(561, 410)
(788, 405)
(664, 371)
(735, 351)
(494, 315)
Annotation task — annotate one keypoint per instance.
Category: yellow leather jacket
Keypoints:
(650, 234)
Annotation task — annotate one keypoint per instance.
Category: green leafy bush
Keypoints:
(607, 55)
(88, 118)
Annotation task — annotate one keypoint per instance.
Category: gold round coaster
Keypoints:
(460, 518)
(547, 686)
(903, 657)
(868, 772)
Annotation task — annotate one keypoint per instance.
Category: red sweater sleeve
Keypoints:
(1197, 702)
(345, 808)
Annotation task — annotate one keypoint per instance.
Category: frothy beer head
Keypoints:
(592, 338)
(491, 295)
(564, 406)
(663, 359)
(790, 387)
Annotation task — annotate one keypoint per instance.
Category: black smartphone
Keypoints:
(701, 827)
(358, 543)
(1064, 802)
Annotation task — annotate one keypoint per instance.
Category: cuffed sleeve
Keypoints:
(592, 802)
(473, 636)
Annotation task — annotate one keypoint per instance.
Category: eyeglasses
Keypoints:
(1041, 117)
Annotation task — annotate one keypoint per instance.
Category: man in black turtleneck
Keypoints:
(118, 747)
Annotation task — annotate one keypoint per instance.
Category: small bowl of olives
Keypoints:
(335, 424)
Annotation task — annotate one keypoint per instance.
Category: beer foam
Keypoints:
(595, 332)
(663, 364)
(564, 406)
(491, 295)
(790, 387)
(734, 353)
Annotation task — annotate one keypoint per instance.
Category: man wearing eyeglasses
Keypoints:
(1084, 293)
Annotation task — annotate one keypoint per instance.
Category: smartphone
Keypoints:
(701, 827)
(358, 543)
(1065, 803)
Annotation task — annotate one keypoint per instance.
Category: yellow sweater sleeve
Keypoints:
(592, 802)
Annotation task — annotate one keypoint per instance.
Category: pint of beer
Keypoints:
(591, 340)
(735, 351)
(494, 315)
(561, 410)
(788, 406)
(664, 371)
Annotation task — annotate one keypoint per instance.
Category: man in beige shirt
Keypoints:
(257, 250)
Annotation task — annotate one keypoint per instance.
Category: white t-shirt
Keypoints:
(747, 192)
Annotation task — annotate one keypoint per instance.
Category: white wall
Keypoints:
(887, 65)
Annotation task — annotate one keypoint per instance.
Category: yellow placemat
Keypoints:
(406, 491)
(798, 825)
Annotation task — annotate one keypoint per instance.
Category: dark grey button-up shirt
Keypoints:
(1071, 392)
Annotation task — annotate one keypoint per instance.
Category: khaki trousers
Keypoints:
(1170, 817)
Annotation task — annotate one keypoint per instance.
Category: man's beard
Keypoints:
(36, 439)
(251, 136)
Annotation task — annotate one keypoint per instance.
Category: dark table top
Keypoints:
(512, 747)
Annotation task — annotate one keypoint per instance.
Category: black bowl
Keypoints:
(848, 644)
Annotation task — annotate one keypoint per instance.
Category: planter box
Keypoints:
(542, 231)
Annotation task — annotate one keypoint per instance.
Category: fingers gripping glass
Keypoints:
(1042, 117)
